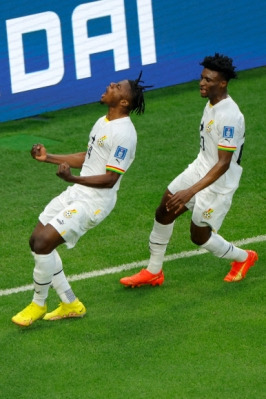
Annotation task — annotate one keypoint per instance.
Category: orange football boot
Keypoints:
(144, 277)
(240, 269)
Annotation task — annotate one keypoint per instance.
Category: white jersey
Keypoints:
(111, 146)
(222, 128)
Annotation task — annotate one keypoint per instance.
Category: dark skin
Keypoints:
(117, 97)
(214, 87)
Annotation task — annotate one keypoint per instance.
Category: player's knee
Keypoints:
(161, 214)
(40, 244)
(31, 243)
(199, 235)
(195, 237)
(196, 240)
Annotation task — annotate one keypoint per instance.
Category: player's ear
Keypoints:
(223, 84)
(124, 102)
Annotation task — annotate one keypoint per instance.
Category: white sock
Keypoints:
(159, 238)
(60, 283)
(221, 248)
(42, 276)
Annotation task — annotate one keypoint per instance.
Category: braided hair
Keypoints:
(137, 103)
(222, 64)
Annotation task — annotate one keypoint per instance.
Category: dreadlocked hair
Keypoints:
(222, 64)
(137, 103)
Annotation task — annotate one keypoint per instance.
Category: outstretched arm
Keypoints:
(39, 153)
(179, 199)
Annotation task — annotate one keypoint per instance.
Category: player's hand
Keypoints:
(38, 152)
(64, 171)
(178, 200)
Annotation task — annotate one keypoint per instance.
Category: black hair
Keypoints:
(137, 103)
(220, 63)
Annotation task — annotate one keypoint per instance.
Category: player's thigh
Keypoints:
(210, 209)
(184, 181)
(53, 208)
(164, 216)
(76, 219)
(45, 239)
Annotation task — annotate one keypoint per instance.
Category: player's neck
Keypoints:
(114, 113)
(217, 99)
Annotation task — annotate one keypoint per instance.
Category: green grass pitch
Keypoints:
(195, 337)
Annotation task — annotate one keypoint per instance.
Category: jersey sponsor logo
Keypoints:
(120, 152)
(228, 132)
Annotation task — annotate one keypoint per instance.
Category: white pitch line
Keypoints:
(133, 265)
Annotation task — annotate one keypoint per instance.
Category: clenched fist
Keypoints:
(64, 172)
(38, 152)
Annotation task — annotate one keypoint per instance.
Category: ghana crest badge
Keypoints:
(68, 214)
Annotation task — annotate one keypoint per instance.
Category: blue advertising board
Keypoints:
(62, 54)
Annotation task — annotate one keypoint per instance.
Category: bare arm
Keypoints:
(107, 180)
(180, 198)
(39, 153)
(66, 162)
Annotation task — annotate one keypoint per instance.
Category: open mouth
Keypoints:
(105, 92)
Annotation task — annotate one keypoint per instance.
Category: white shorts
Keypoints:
(207, 207)
(72, 218)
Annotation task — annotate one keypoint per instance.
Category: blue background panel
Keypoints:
(184, 33)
